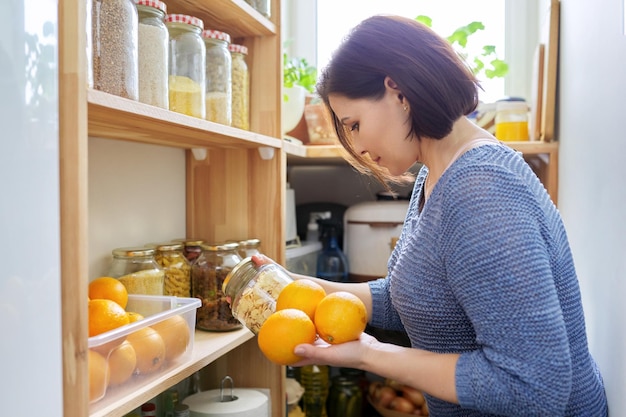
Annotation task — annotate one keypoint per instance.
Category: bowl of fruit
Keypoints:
(392, 399)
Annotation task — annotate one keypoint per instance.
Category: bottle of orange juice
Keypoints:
(512, 120)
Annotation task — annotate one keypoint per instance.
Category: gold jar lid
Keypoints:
(189, 241)
(168, 246)
(218, 247)
(133, 252)
(250, 243)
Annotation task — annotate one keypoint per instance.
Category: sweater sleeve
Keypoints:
(384, 315)
(497, 258)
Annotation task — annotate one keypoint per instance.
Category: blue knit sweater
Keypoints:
(484, 269)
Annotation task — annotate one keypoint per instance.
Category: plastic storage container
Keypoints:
(303, 259)
(240, 87)
(253, 291)
(170, 257)
(187, 58)
(136, 268)
(172, 317)
(153, 52)
(512, 121)
(114, 47)
(218, 77)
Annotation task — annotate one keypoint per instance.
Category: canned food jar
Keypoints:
(253, 290)
(192, 248)
(241, 87)
(512, 121)
(249, 247)
(187, 58)
(208, 273)
(345, 398)
(218, 77)
(153, 50)
(136, 268)
(114, 47)
(176, 267)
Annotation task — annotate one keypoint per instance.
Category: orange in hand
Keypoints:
(108, 288)
(340, 317)
(302, 294)
(282, 332)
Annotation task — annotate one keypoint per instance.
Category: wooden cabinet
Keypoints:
(252, 163)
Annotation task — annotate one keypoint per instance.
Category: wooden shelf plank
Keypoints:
(123, 119)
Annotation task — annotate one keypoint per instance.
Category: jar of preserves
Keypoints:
(136, 268)
(218, 77)
(192, 248)
(153, 47)
(345, 398)
(241, 87)
(114, 47)
(249, 247)
(187, 57)
(253, 290)
(511, 120)
(208, 273)
(177, 268)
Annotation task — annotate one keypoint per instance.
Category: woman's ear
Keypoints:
(389, 83)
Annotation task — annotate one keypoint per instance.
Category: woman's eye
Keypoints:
(354, 127)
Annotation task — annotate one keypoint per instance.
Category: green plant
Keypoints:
(297, 71)
(486, 62)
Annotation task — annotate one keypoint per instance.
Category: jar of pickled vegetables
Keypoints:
(241, 87)
(218, 77)
(137, 269)
(171, 259)
(187, 57)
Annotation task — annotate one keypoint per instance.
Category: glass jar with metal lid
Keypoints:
(218, 77)
(114, 47)
(136, 268)
(177, 268)
(153, 50)
(187, 58)
(249, 247)
(253, 290)
(192, 248)
(241, 87)
(207, 277)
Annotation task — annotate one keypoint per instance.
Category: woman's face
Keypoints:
(379, 128)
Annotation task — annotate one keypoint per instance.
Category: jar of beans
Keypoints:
(177, 269)
(207, 276)
(187, 58)
(136, 268)
(114, 47)
(153, 46)
(241, 87)
(218, 77)
(192, 248)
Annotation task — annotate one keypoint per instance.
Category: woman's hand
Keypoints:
(260, 259)
(349, 354)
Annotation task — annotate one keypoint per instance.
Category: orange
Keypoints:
(109, 289)
(303, 294)
(150, 349)
(122, 362)
(340, 317)
(175, 333)
(105, 315)
(133, 316)
(282, 332)
(98, 375)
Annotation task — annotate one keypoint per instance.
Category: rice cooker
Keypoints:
(371, 230)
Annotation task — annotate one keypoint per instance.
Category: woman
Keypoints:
(482, 278)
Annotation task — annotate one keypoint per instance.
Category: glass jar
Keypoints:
(114, 47)
(314, 380)
(218, 77)
(187, 57)
(249, 247)
(345, 398)
(170, 257)
(136, 268)
(192, 248)
(241, 87)
(263, 7)
(253, 291)
(511, 120)
(207, 276)
(153, 46)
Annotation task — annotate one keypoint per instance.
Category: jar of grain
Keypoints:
(177, 269)
(153, 45)
(241, 87)
(207, 276)
(187, 58)
(114, 47)
(218, 77)
(136, 268)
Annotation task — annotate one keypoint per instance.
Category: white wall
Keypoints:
(592, 195)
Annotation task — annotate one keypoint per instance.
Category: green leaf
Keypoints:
(425, 20)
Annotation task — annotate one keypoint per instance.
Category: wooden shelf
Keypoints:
(207, 348)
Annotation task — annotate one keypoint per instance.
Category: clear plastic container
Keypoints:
(114, 47)
(253, 291)
(177, 268)
(136, 268)
(153, 51)
(187, 58)
(218, 77)
(241, 87)
(512, 121)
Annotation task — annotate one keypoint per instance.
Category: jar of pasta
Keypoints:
(177, 269)
(207, 276)
(187, 57)
(241, 87)
(253, 290)
(153, 47)
(137, 269)
(218, 77)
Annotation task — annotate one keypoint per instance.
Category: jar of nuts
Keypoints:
(177, 269)
(253, 290)
(241, 87)
(207, 276)
(136, 268)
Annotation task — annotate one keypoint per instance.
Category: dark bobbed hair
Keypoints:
(432, 77)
